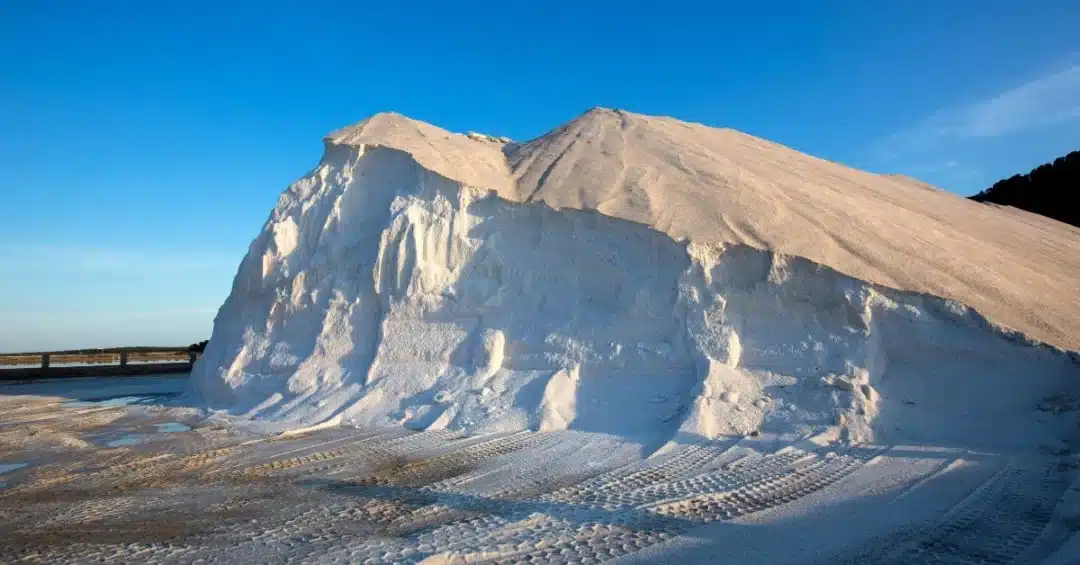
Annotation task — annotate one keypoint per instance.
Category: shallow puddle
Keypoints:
(8, 467)
(130, 439)
(172, 427)
(125, 441)
(115, 401)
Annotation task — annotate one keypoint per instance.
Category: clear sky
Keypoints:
(142, 144)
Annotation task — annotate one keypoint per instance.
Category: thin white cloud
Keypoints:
(1047, 101)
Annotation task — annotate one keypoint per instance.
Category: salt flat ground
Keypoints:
(107, 470)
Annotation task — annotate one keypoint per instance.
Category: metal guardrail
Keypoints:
(94, 366)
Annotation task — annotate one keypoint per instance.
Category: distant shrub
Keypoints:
(1051, 190)
(198, 347)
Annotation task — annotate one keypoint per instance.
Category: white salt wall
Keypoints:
(382, 293)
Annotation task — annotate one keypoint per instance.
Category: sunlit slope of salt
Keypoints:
(713, 185)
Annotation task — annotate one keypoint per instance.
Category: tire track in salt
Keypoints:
(567, 514)
(410, 507)
(623, 532)
(447, 469)
(994, 525)
(726, 477)
(771, 489)
(675, 465)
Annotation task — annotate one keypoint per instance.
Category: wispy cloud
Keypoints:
(950, 147)
(1046, 101)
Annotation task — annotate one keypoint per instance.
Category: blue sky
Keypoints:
(142, 144)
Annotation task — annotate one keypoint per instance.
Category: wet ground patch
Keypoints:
(117, 401)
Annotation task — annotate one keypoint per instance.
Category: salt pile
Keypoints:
(648, 278)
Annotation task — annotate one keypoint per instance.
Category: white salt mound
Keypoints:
(644, 277)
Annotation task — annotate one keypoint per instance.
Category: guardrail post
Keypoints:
(44, 360)
(123, 358)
